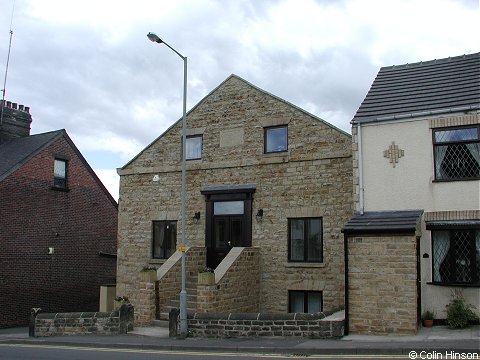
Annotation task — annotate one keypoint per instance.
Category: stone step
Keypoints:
(161, 323)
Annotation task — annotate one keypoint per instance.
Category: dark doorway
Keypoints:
(228, 220)
(227, 233)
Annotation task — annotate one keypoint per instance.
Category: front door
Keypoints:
(228, 220)
(227, 233)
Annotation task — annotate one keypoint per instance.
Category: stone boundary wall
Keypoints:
(241, 325)
(116, 322)
(237, 284)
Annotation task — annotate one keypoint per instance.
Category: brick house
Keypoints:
(416, 139)
(268, 190)
(58, 223)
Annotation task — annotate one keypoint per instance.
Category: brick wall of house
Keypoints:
(78, 224)
(382, 284)
(312, 179)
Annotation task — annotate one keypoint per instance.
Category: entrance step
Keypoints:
(191, 288)
(161, 323)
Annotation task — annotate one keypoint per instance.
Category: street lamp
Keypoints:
(183, 293)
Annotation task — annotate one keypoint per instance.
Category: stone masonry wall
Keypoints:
(238, 288)
(382, 285)
(119, 321)
(238, 325)
(312, 179)
(168, 284)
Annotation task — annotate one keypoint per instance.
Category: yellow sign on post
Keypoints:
(181, 248)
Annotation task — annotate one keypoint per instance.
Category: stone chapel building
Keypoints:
(268, 191)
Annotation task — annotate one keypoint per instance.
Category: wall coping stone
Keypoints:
(118, 321)
(256, 316)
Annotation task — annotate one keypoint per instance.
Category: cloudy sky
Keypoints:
(88, 67)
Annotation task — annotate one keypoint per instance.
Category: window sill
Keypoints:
(304, 265)
(59, 189)
(277, 153)
(156, 261)
(453, 180)
(453, 284)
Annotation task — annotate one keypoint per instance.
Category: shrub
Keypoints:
(459, 313)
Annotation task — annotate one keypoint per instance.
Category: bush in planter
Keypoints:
(428, 315)
(206, 276)
(148, 274)
(427, 318)
(459, 313)
(120, 300)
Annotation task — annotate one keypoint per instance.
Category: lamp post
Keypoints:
(183, 293)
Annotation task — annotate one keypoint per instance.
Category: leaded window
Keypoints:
(457, 153)
(456, 256)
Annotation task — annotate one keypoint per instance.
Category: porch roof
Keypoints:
(229, 189)
(376, 222)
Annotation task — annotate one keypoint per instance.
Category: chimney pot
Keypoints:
(14, 105)
(20, 107)
(9, 104)
(27, 109)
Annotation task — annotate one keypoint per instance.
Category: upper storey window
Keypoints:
(276, 139)
(457, 154)
(60, 174)
(194, 147)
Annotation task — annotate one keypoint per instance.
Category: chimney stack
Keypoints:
(15, 122)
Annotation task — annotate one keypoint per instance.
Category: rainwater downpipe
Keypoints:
(360, 169)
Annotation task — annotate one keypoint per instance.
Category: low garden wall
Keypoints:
(238, 325)
(115, 322)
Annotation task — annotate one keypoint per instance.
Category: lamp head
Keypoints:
(259, 215)
(154, 38)
(196, 217)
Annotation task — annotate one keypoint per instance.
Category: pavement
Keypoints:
(436, 340)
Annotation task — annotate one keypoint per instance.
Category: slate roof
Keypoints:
(16, 152)
(376, 222)
(422, 89)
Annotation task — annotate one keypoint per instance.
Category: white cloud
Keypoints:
(88, 67)
(110, 180)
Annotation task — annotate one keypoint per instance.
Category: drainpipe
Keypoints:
(346, 329)
(360, 169)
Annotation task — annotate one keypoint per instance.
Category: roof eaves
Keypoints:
(419, 114)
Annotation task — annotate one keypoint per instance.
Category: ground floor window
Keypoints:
(305, 240)
(164, 238)
(305, 301)
(456, 256)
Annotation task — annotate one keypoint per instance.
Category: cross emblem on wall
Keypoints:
(393, 153)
